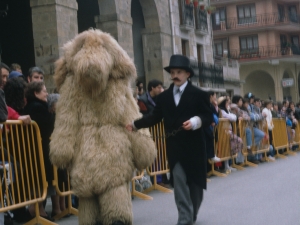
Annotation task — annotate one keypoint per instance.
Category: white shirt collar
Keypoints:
(181, 88)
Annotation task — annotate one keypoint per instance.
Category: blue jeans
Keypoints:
(271, 151)
(258, 135)
(248, 136)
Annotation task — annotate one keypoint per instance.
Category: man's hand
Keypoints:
(25, 119)
(129, 127)
(187, 125)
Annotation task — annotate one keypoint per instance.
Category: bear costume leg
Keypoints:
(116, 207)
(88, 211)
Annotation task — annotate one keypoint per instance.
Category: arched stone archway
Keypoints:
(87, 11)
(16, 36)
(116, 18)
(261, 84)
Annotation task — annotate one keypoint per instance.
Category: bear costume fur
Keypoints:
(89, 139)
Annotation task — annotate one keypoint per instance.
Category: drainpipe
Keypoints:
(172, 26)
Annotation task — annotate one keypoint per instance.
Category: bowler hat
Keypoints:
(180, 62)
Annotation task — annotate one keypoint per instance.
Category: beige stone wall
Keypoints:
(54, 23)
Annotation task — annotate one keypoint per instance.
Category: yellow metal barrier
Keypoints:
(66, 192)
(243, 125)
(23, 176)
(264, 145)
(222, 144)
(280, 137)
(136, 193)
(297, 136)
(160, 165)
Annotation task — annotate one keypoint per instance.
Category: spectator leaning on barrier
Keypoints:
(267, 111)
(35, 74)
(5, 73)
(3, 117)
(242, 114)
(209, 131)
(37, 108)
(275, 112)
(236, 143)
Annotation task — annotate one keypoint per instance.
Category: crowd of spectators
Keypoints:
(26, 98)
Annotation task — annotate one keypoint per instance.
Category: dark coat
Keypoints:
(149, 105)
(38, 111)
(186, 147)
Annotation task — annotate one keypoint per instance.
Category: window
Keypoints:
(220, 15)
(249, 43)
(199, 53)
(295, 40)
(283, 40)
(293, 13)
(281, 13)
(218, 49)
(246, 14)
(185, 48)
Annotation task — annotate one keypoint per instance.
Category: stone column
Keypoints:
(54, 23)
(157, 48)
(120, 27)
(277, 81)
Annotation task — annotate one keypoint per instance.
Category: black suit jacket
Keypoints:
(186, 147)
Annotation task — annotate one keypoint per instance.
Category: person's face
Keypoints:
(257, 103)
(275, 107)
(240, 103)
(292, 106)
(5, 74)
(36, 77)
(246, 104)
(251, 100)
(42, 95)
(140, 89)
(269, 106)
(179, 76)
(157, 90)
(227, 104)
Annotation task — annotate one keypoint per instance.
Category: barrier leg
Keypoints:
(139, 194)
(289, 152)
(247, 163)
(236, 166)
(278, 155)
(69, 210)
(38, 219)
(158, 187)
(215, 173)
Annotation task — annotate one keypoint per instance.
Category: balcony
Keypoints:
(265, 52)
(273, 21)
(186, 13)
(226, 2)
(201, 21)
(209, 75)
(231, 71)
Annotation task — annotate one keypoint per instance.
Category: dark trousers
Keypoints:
(188, 197)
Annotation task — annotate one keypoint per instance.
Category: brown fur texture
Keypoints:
(89, 138)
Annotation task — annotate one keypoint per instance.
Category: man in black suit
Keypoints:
(185, 107)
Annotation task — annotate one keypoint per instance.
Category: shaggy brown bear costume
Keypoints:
(90, 140)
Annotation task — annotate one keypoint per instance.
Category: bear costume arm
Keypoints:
(143, 148)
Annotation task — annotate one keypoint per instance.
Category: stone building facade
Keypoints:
(149, 30)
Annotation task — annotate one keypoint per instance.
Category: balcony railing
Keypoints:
(231, 71)
(264, 52)
(186, 12)
(201, 20)
(256, 21)
(209, 74)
